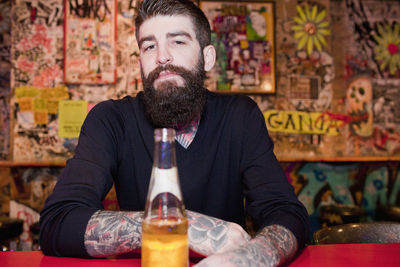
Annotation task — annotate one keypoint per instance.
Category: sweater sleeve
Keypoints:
(270, 198)
(83, 184)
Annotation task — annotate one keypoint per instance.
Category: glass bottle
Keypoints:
(164, 226)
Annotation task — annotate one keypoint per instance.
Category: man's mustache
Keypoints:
(153, 75)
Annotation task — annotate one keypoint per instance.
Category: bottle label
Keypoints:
(165, 180)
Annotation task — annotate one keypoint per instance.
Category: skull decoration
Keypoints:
(359, 106)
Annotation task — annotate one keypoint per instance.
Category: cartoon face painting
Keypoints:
(258, 23)
(359, 106)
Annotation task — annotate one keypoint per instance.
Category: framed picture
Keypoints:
(244, 37)
(90, 42)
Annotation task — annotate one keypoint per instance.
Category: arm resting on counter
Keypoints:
(272, 246)
(118, 232)
(113, 233)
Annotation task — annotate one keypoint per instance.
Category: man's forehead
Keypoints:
(164, 25)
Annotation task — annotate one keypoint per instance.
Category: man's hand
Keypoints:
(274, 245)
(209, 235)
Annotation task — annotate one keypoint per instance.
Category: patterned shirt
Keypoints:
(185, 135)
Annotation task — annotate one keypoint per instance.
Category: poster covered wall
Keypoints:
(90, 42)
(372, 75)
(40, 60)
(338, 67)
(297, 115)
(337, 76)
(5, 68)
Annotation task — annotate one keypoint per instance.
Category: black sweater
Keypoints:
(231, 157)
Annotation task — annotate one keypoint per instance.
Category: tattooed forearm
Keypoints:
(282, 241)
(272, 246)
(113, 233)
(208, 235)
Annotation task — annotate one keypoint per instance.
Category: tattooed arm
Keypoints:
(272, 246)
(118, 232)
(113, 233)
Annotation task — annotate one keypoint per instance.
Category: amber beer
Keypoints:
(164, 226)
(165, 242)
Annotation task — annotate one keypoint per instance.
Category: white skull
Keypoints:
(359, 106)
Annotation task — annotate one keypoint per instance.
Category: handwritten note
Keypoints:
(40, 101)
(25, 104)
(71, 115)
(41, 117)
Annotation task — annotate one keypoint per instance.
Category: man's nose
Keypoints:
(163, 56)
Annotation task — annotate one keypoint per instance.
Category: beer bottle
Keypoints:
(164, 227)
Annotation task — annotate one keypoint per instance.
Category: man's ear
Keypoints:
(209, 57)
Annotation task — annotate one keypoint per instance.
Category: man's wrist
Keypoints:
(272, 246)
(278, 243)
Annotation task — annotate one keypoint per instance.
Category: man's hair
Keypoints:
(150, 8)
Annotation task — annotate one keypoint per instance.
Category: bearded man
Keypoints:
(224, 154)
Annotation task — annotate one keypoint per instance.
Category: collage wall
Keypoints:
(337, 82)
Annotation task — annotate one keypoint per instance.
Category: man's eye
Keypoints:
(149, 47)
(179, 42)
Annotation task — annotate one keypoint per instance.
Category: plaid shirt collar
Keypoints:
(186, 134)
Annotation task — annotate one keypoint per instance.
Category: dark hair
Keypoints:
(150, 8)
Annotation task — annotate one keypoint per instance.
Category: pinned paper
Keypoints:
(25, 104)
(25, 120)
(26, 91)
(52, 106)
(59, 92)
(71, 115)
(41, 116)
(39, 104)
(42, 101)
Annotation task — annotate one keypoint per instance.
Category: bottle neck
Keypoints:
(164, 149)
(164, 198)
(165, 172)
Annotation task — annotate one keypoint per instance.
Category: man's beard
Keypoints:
(172, 106)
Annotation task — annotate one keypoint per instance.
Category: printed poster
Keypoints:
(90, 42)
(243, 35)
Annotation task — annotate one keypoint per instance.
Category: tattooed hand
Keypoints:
(113, 233)
(274, 245)
(209, 235)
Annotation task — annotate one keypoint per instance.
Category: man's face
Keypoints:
(172, 71)
(168, 40)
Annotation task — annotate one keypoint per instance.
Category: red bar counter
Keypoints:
(37, 259)
(359, 255)
(382, 254)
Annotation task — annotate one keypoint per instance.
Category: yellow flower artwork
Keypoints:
(387, 49)
(310, 28)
